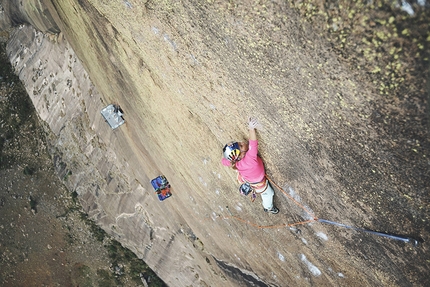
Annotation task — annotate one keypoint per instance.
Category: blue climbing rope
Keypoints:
(391, 236)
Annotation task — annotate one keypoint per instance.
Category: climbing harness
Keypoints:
(405, 239)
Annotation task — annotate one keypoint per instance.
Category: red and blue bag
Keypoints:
(162, 187)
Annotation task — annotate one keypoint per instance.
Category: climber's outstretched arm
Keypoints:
(252, 125)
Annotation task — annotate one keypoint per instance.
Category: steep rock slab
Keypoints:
(187, 74)
(70, 105)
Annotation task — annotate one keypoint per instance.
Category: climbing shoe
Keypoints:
(274, 210)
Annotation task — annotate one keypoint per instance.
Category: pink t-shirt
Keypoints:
(251, 167)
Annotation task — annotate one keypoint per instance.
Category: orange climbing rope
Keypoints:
(268, 226)
(314, 218)
(405, 239)
(295, 201)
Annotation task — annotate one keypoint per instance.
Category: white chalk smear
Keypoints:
(407, 8)
(203, 181)
(341, 275)
(304, 241)
(297, 198)
(294, 195)
(155, 30)
(322, 235)
(314, 270)
(281, 257)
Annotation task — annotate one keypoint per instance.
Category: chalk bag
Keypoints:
(245, 188)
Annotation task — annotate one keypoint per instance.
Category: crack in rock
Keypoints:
(241, 275)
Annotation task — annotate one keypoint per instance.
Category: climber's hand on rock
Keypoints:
(252, 123)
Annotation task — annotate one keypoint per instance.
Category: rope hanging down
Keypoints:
(314, 218)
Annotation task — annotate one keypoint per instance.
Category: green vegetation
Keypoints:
(97, 232)
(29, 170)
(82, 276)
(33, 204)
(132, 265)
(18, 109)
(377, 37)
(74, 196)
(106, 278)
(66, 176)
(124, 263)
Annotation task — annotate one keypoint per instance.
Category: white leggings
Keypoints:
(267, 195)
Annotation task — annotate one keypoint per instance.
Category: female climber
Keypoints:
(244, 158)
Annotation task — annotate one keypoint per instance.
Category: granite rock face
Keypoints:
(32, 12)
(187, 75)
(63, 93)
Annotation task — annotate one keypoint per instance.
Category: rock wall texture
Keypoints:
(187, 75)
